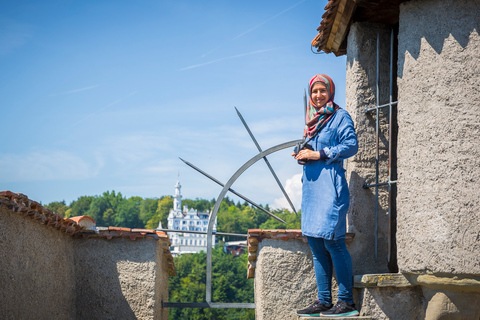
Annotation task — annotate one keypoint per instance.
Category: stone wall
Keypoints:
(37, 278)
(282, 265)
(116, 279)
(53, 268)
(361, 94)
(439, 129)
(284, 279)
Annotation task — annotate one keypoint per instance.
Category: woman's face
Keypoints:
(320, 94)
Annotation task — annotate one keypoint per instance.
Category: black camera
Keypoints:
(301, 146)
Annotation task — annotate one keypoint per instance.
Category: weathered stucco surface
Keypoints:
(392, 303)
(453, 305)
(47, 274)
(116, 279)
(284, 279)
(361, 94)
(36, 270)
(439, 132)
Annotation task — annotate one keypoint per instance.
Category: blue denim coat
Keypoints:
(325, 196)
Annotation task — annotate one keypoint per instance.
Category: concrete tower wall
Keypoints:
(439, 132)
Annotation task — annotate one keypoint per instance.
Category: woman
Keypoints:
(331, 138)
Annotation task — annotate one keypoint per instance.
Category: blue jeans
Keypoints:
(326, 254)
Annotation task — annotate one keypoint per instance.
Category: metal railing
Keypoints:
(390, 183)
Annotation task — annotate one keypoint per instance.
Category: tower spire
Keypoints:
(177, 198)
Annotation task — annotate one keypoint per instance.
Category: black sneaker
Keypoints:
(341, 309)
(314, 310)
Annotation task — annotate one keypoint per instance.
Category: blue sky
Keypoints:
(107, 95)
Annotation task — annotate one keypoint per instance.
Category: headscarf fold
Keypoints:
(315, 117)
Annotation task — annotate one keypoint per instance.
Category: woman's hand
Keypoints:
(307, 154)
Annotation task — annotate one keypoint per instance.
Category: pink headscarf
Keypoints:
(315, 117)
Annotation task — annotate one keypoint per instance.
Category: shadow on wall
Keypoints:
(98, 291)
(109, 270)
(440, 21)
(362, 208)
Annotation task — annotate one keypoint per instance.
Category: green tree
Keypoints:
(81, 206)
(165, 204)
(229, 284)
(127, 213)
(58, 206)
(201, 205)
(98, 206)
(293, 220)
(148, 208)
(108, 217)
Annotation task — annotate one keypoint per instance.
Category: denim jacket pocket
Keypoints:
(324, 137)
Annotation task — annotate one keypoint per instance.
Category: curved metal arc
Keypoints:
(222, 194)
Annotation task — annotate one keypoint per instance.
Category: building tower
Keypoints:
(188, 220)
(177, 198)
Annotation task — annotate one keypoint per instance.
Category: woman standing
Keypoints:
(331, 138)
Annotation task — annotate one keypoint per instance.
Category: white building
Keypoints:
(191, 220)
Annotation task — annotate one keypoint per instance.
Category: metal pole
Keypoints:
(203, 232)
(390, 139)
(208, 305)
(377, 154)
(233, 191)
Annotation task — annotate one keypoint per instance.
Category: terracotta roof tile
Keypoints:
(19, 203)
(144, 230)
(119, 230)
(77, 219)
(325, 28)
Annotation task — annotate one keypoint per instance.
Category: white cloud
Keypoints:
(293, 187)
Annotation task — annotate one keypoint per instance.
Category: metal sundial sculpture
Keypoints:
(226, 187)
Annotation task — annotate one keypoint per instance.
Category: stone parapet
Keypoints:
(255, 236)
(57, 268)
(281, 263)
